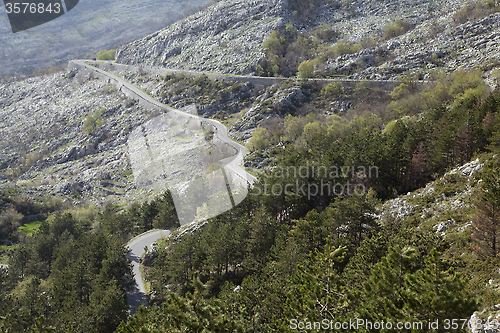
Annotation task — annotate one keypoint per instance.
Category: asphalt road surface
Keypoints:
(137, 295)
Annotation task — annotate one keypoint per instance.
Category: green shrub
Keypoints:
(456, 86)
(342, 48)
(326, 33)
(273, 43)
(306, 69)
(93, 121)
(260, 139)
(332, 89)
(395, 29)
(106, 55)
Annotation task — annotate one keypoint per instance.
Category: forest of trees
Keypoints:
(72, 274)
(326, 257)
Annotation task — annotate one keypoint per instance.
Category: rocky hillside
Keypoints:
(227, 38)
(413, 37)
(71, 135)
(470, 45)
(46, 146)
(66, 133)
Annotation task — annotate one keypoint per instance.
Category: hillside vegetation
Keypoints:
(314, 257)
(304, 255)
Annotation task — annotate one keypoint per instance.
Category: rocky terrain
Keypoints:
(66, 133)
(436, 40)
(85, 140)
(51, 147)
(470, 45)
(46, 150)
(273, 103)
(451, 194)
(233, 44)
(225, 38)
(213, 98)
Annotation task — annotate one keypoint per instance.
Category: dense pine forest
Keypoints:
(279, 260)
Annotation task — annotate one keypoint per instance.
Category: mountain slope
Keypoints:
(389, 39)
(227, 37)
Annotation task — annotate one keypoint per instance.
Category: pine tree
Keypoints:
(437, 292)
(419, 170)
(195, 314)
(397, 291)
(382, 297)
(486, 223)
(317, 294)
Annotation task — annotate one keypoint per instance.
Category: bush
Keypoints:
(326, 33)
(9, 221)
(260, 139)
(106, 55)
(395, 29)
(342, 48)
(332, 89)
(273, 43)
(93, 121)
(306, 69)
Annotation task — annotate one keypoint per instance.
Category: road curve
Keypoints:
(137, 296)
(233, 163)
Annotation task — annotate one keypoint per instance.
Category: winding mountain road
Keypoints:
(232, 163)
(137, 296)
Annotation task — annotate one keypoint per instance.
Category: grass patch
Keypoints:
(229, 121)
(30, 228)
(183, 138)
(4, 250)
